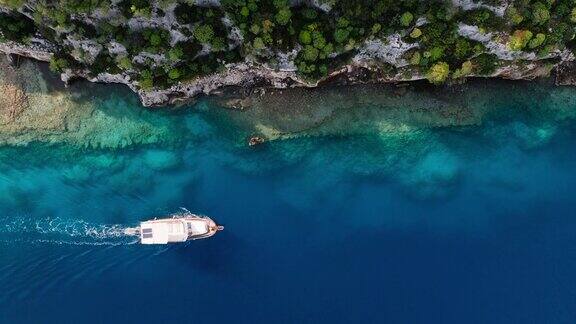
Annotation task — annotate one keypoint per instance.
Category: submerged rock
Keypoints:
(160, 160)
(34, 110)
(533, 136)
(434, 175)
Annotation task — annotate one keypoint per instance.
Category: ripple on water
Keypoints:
(59, 204)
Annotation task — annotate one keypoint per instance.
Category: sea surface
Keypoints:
(398, 222)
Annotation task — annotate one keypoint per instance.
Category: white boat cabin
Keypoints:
(172, 230)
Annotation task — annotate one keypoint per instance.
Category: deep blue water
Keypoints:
(455, 225)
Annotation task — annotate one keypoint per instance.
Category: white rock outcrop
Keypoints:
(391, 50)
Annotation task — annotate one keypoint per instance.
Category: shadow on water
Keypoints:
(225, 255)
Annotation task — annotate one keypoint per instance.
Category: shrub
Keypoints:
(309, 14)
(310, 53)
(175, 53)
(16, 27)
(434, 54)
(12, 3)
(341, 35)
(318, 40)
(218, 44)
(155, 40)
(283, 16)
(58, 64)
(485, 63)
(124, 63)
(519, 39)
(174, 74)
(514, 16)
(204, 33)
(146, 81)
(415, 59)
(185, 13)
(438, 73)
(416, 32)
(462, 49)
(463, 71)
(258, 44)
(540, 14)
(406, 19)
(305, 37)
(255, 29)
(537, 41)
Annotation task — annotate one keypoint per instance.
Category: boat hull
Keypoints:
(179, 228)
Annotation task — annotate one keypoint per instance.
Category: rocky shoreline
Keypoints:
(35, 109)
(169, 52)
(251, 76)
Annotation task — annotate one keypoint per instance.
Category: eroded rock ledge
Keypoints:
(520, 39)
(251, 76)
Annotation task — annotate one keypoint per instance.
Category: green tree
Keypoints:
(258, 44)
(438, 73)
(175, 54)
(537, 41)
(12, 3)
(406, 19)
(342, 22)
(462, 49)
(155, 39)
(146, 80)
(58, 64)
(218, 44)
(485, 63)
(327, 50)
(415, 59)
(309, 13)
(204, 33)
(341, 35)
(416, 32)
(540, 13)
(463, 71)
(519, 39)
(174, 74)
(310, 53)
(125, 63)
(283, 16)
(514, 16)
(435, 53)
(323, 69)
(305, 37)
(466, 68)
(245, 12)
(318, 40)
(255, 29)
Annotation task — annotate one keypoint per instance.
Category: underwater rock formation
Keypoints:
(33, 110)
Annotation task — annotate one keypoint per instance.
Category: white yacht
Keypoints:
(181, 227)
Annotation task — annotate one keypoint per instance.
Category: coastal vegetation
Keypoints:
(166, 42)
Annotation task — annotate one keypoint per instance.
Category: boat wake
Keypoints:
(63, 232)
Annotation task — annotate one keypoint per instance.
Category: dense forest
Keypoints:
(160, 43)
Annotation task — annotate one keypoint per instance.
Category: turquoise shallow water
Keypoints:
(407, 224)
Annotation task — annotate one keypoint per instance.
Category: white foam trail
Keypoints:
(65, 231)
(64, 242)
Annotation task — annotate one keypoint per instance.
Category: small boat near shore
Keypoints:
(181, 227)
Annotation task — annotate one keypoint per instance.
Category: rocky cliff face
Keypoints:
(393, 57)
